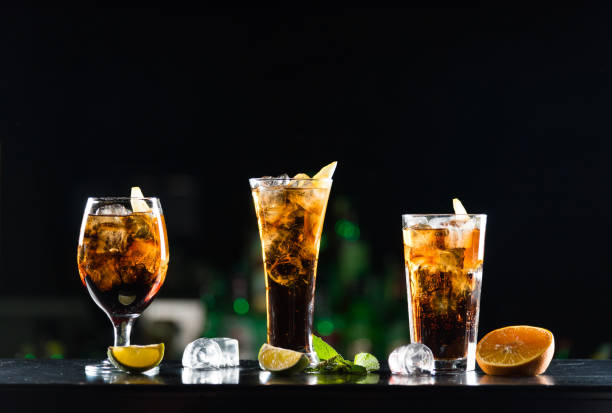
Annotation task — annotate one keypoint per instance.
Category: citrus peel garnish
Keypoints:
(458, 207)
(136, 359)
(278, 359)
(138, 205)
(326, 172)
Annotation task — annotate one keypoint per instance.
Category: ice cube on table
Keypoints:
(229, 349)
(418, 359)
(211, 353)
(203, 353)
(396, 360)
(413, 359)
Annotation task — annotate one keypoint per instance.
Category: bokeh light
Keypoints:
(241, 306)
(347, 230)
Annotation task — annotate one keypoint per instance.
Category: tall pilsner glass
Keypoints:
(290, 215)
(122, 259)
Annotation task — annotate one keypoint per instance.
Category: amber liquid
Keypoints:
(290, 224)
(123, 260)
(444, 277)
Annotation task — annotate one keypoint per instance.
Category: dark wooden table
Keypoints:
(58, 385)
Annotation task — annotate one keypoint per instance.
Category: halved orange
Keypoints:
(516, 351)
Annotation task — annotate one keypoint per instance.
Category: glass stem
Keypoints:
(123, 329)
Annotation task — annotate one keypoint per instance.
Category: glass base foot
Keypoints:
(314, 360)
(456, 366)
(106, 368)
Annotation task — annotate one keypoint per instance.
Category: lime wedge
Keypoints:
(278, 359)
(326, 172)
(138, 205)
(368, 361)
(458, 207)
(136, 359)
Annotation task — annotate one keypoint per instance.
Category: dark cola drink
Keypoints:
(120, 261)
(290, 213)
(444, 260)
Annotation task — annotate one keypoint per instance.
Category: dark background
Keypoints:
(506, 108)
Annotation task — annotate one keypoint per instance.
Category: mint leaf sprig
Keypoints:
(333, 363)
(324, 351)
(338, 365)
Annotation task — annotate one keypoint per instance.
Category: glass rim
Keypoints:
(443, 215)
(291, 179)
(122, 198)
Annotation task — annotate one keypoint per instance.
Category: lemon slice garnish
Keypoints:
(458, 207)
(278, 359)
(136, 359)
(326, 172)
(138, 205)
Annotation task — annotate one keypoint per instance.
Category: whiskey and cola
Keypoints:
(290, 215)
(444, 258)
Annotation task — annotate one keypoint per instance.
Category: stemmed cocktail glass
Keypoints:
(122, 260)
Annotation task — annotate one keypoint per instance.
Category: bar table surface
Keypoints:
(58, 385)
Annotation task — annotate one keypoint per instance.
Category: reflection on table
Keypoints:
(267, 378)
(229, 375)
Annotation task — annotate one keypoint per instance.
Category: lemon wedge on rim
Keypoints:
(138, 205)
(326, 172)
(458, 207)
